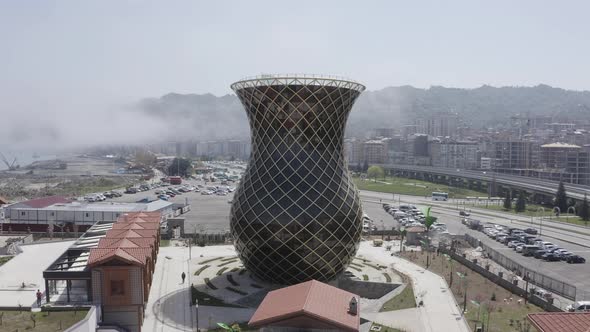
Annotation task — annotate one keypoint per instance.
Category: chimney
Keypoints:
(353, 306)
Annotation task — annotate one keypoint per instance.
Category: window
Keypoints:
(52, 214)
(23, 213)
(87, 214)
(117, 287)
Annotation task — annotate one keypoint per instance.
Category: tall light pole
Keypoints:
(542, 209)
(197, 309)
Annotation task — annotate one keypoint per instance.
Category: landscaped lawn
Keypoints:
(45, 321)
(403, 300)
(5, 259)
(206, 299)
(404, 186)
(479, 290)
(385, 328)
(532, 210)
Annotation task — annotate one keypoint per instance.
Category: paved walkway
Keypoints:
(440, 311)
(27, 267)
(168, 309)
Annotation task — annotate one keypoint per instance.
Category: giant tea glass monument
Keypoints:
(296, 214)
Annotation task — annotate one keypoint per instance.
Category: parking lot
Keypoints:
(209, 213)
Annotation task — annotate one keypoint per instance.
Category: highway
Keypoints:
(518, 182)
(573, 238)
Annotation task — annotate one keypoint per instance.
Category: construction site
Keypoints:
(70, 175)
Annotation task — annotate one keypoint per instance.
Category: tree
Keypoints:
(561, 198)
(520, 202)
(583, 210)
(375, 172)
(180, 166)
(507, 201)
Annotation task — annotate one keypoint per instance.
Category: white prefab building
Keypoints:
(36, 217)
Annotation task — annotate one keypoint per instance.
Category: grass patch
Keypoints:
(236, 327)
(5, 259)
(229, 259)
(209, 260)
(385, 328)
(237, 291)
(44, 321)
(365, 277)
(201, 269)
(235, 269)
(206, 299)
(355, 268)
(227, 263)
(403, 300)
(413, 187)
(479, 289)
(220, 272)
(231, 280)
(164, 243)
(357, 265)
(210, 284)
(376, 267)
(533, 211)
(387, 277)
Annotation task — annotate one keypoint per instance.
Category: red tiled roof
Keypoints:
(141, 242)
(3, 200)
(136, 225)
(314, 299)
(129, 233)
(131, 245)
(137, 256)
(415, 229)
(561, 321)
(39, 203)
(145, 216)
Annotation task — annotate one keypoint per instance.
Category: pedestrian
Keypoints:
(183, 277)
(39, 297)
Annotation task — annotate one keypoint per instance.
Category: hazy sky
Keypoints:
(61, 57)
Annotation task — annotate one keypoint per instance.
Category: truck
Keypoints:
(175, 179)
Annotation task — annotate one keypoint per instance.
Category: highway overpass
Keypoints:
(491, 182)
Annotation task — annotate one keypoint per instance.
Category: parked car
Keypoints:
(531, 231)
(550, 257)
(575, 259)
(578, 306)
(539, 254)
(464, 213)
(131, 190)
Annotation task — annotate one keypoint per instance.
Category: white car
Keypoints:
(579, 306)
(520, 247)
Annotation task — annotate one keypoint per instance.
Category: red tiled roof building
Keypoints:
(310, 304)
(560, 321)
(122, 266)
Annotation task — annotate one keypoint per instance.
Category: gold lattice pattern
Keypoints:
(296, 214)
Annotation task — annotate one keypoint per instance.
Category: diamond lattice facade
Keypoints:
(296, 214)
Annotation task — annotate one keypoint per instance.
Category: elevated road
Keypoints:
(529, 184)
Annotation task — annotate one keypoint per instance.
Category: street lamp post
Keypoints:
(542, 209)
(197, 309)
